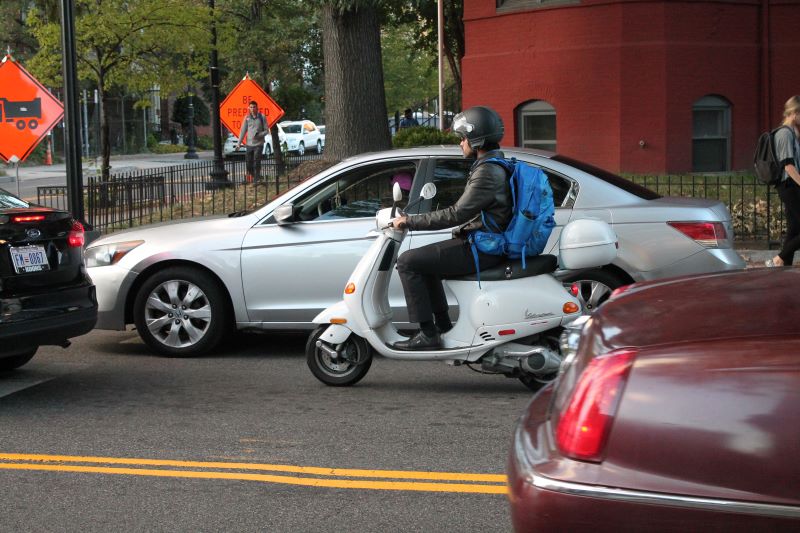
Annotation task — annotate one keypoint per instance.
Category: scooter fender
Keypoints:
(335, 334)
(337, 310)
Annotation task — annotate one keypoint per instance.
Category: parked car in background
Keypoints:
(231, 144)
(278, 266)
(46, 295)
(322, 135)
(301, 135)
(691, 425)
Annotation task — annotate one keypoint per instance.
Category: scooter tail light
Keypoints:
(585, 424)
(76, 237)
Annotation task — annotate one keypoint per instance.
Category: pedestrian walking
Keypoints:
(787, 152)
(255, 129)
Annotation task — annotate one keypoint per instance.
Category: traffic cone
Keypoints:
(249, 178)
(48, 155)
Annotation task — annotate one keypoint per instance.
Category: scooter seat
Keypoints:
(512, 269)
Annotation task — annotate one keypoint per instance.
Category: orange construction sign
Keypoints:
(27, 111)
(234, 108)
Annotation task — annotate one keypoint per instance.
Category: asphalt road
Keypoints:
(104, 435)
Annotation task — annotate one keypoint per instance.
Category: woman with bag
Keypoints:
(787, 151)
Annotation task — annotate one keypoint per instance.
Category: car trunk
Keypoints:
(35, 253)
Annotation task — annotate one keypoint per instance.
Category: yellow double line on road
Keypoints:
(309, 476)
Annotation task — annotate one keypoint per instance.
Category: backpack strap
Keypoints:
(474, 248)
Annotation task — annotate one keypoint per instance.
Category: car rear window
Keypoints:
(609, 177)
(9, 201)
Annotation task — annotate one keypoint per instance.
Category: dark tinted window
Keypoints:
(609, 177)
(450, 178)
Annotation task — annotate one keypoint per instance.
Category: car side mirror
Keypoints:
(284, 214)
(397, 192)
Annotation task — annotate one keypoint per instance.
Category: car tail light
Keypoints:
(76, 235)
(708, 234)
(585, 423)
(27, 218)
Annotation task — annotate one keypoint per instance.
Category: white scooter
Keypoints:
(508, 324)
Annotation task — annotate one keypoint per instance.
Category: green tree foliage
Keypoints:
(180, 111)
(131, 43)
(15, 33)
(422, 15)
(278, 43)
(408, 72)
(423, 136)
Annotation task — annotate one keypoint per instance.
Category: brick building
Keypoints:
(635, 85)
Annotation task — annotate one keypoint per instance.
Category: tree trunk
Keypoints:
(355, 102)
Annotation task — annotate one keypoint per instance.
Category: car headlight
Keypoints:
(108, 254)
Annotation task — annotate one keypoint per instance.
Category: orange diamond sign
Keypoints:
(234, 108)
(27, 111)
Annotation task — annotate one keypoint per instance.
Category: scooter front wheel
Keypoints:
(352, 363)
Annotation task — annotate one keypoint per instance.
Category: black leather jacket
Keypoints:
(487, 190)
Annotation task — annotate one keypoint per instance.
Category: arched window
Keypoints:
(536, 121)
(711, 134)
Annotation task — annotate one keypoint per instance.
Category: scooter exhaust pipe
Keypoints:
(541, 363)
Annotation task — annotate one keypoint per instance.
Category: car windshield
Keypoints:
(609, 177)
(9, 201)
(292, 128)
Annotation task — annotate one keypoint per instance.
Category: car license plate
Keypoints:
(29, 259)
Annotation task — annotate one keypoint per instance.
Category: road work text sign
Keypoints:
(27, 111)
(234, 108)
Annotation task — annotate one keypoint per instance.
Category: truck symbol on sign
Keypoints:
(17, 112)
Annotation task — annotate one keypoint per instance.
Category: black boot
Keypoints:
(420, 341)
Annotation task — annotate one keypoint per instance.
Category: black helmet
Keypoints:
(479, 125)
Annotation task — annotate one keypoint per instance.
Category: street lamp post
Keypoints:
(219, 176)
(191, 153)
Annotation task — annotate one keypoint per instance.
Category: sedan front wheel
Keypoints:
(181, 312)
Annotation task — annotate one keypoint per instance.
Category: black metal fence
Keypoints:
(756, 210)
(182, 191)
(130, 199)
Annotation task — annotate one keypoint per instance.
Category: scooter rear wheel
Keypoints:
(352, 365)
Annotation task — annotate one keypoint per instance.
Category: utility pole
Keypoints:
(72, 130)
(219, 176)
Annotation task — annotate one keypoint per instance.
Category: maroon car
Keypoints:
(678, 409)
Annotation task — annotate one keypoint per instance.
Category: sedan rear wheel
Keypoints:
(593, 288)
(301, 148)
(319, 147)
(181, 312)
(16, 361)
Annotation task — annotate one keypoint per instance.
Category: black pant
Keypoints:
(252, 159)
(421, 271)
(789, 192)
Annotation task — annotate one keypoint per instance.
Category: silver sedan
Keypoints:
(184, 285)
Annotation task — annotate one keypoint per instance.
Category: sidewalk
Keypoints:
(90, 167)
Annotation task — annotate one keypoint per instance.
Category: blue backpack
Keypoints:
(532, 218)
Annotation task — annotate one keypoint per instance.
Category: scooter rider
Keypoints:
(488, 191)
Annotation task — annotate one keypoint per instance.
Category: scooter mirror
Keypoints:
(428, 191)
(397, 192)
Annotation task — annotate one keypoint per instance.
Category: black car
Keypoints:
(46, 295)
